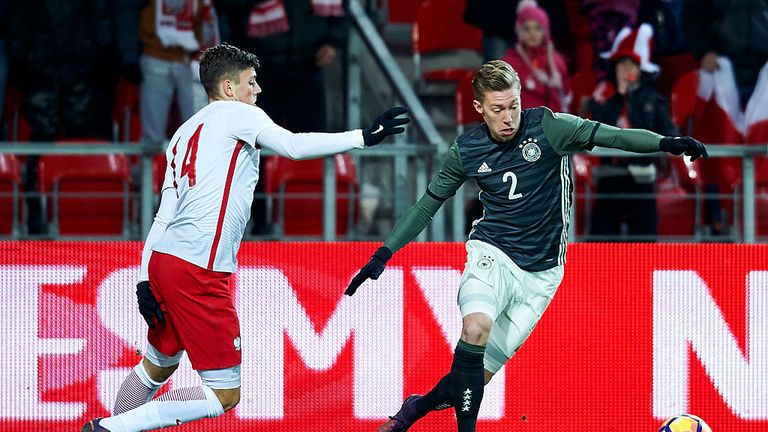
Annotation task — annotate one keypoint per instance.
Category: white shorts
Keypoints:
(514, 298)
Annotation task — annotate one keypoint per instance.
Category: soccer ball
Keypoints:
(685, 423)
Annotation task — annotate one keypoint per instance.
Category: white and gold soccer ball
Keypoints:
(685, 423)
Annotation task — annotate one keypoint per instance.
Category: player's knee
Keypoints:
(476, 328)
(229, 398)
(159, 373)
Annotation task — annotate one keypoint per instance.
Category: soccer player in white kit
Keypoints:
(190, 252)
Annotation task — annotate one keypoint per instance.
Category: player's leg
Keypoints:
(155, 98)
(481, 292)
(141, 385)
(461, 388)
(161, 356)
(532, 294)
(201, 314)
(219, 392)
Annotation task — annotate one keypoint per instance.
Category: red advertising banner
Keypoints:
(636, 333)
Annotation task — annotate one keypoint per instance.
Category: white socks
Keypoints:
(137, 389)
(176, 407)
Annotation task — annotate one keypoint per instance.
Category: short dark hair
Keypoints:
(224, 62)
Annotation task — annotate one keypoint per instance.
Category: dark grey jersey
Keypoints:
(525, 190)
(525, 184)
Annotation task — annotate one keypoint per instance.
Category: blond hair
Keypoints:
(495, 75)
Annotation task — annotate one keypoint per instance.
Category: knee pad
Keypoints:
(159, 359)
(228, 378)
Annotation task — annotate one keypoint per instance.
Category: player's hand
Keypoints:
(148, 305)
(385, 125)
(372, 270)
(684, 145)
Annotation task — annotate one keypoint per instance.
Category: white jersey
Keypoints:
(213, 164)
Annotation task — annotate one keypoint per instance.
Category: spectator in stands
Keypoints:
(122, 74)
(670, 50)
(629, 100)
(606, 19)
(168, 32)
(496, 18)
(295, 40)
(730, 40)
(209, 36)
(736, 30)
(55, 48)
(541, 68)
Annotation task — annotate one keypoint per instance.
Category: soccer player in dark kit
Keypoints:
(516, 250)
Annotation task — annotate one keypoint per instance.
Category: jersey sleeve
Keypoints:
(308, 145)
(168, 176)
(247, 122)
(253, 126)
(569, 134)
(164, 215)
(443, 186)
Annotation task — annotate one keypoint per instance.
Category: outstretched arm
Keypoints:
(568, 133)
(311, 145)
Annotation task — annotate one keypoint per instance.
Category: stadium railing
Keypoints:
(418, 162)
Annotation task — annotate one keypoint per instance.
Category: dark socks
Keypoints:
(467, 382)
(462, 388)
(439, 395)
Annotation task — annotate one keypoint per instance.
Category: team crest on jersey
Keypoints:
(485, 263)
(531, 150)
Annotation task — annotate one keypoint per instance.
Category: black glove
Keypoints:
(385, 125)
(372, 270)
(148, 305)
(688, 145)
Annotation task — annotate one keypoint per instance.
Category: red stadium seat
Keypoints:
(462, 101)
(677, 201)
(683, 101)
(708, 123)
(584, 187)
(10, 195)
(125, 112)
(402, 11)
(295, 189)
(86, 195)
(16, 125)
(439, 27)
(582, 85)
(672, 68)
(761, 210)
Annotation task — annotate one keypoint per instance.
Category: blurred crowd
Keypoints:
(125, 70)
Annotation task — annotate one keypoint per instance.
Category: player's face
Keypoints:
(247, 90)
(501, 112)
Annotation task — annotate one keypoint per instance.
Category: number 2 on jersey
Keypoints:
(509, 175)
(190, 157)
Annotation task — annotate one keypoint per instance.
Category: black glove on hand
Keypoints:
(372, 270)
(148, 306)
(688, 145)
(385, 125)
